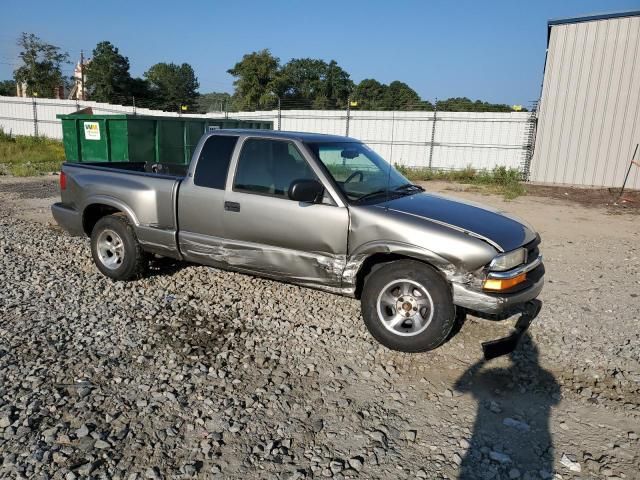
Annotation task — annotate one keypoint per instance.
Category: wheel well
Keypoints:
(95, 212)
(375, 261)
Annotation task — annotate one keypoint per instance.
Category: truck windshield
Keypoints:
(362, 174)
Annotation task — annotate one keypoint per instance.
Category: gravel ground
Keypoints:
(196, 372)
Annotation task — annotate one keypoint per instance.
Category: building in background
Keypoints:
(589, 111)
(78, 91)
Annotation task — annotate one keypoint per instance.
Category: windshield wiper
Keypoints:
(407, 186)
(398, 190)
(371, 195)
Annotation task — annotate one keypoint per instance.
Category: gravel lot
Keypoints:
(196, 372)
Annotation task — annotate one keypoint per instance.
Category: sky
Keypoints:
(492, 50)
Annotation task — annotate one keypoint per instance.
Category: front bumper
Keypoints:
(506, 345)
(68, 218)
(498, 304)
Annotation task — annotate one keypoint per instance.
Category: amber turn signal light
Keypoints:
(497, 285)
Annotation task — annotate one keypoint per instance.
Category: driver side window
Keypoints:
(268, 167)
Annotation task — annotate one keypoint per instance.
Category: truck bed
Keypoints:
(146, 192)
(164, 169)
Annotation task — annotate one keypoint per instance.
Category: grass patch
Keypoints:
(27, 156)
(500, 180)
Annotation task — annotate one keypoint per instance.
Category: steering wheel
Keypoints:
(353, 175)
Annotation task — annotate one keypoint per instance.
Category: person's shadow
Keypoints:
(511, 429)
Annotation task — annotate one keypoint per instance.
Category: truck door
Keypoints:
(201, 201)
(269, 234)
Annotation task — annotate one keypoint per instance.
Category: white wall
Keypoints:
(481, 140)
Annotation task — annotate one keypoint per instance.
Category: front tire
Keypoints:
(407, 306)
(115, 248)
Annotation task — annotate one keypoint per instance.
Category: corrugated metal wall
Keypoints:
(589, 113)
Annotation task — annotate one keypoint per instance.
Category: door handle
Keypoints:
(232, 206)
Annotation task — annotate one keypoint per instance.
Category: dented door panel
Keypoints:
(299, 242)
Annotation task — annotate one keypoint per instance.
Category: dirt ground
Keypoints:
(614, 200)
(583, 350)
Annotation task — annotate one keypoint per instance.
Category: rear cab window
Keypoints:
(213, 164)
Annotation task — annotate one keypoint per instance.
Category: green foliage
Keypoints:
(500, 180)
(463, 104)
(335, 87)
(300, 80)
(309, 83)
(400, 96)
(140, 92)
(255, 80)
(166, 86)
(25, 156)
(107, 75)
(173, 86)
(370, 94)
(300, 83)
(8, 88)
(373, 95)
(213, 102)
(41, 70)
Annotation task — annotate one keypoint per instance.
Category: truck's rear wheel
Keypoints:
(115, 248)
(407, 306)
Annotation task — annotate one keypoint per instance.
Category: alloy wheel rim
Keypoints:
(110, 249)
(405, 307)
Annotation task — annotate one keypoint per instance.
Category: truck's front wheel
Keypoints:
(407, 306)
(115, 248)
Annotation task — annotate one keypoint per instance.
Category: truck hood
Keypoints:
(500, 229)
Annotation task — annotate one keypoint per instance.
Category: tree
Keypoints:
(107, 75)
(464, 104)
(8, 88)
(311, 83)
(335, 88)
(370, 94)
(213, 102)
(373, 95)
(41, 71)
(140, 93)
(173, 86)
(255, 79)
(400, 96)
(299, 81)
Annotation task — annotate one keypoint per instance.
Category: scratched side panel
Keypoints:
(295, 266)
(296, 242)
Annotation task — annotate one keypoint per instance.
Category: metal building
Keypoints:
(589, 112)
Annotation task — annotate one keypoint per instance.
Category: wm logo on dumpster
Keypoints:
(92, 130)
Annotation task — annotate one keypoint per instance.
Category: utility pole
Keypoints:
(82, 75)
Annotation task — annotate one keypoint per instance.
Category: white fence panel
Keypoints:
(457, 140)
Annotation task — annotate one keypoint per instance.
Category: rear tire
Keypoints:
(115, 248)
(408, 306)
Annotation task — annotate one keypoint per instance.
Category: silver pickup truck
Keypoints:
(320, 211)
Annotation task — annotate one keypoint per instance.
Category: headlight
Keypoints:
(509, 260)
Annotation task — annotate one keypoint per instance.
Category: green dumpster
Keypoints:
(139, 138)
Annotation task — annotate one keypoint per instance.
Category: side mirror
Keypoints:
(307, 191)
